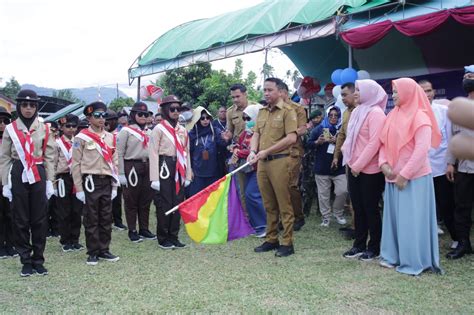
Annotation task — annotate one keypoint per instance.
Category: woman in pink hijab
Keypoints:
(361, 154)
(410, 233)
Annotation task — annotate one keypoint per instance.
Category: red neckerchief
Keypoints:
(142, 134)
(180, 158)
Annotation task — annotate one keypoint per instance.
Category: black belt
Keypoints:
(144, 160)
(275, 156)
(167, 157)
(97, 176)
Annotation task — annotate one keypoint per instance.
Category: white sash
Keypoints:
(27, 176)
(67, 154)
(133, 133)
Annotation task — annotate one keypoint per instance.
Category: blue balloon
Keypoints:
(336, 77)
(348, 75)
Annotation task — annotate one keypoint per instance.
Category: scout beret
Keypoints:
(27, 95)
(95, 106)
(139, 107)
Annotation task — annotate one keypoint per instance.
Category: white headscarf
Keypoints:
(252, 111)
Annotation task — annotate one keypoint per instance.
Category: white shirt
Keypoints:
(438, 156)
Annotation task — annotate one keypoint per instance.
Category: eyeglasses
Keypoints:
(99, 115)
(70, 126)
(175, 109)
(205, 118)
(28, 104)
(5, 121)
(140, 114)
(246, 118)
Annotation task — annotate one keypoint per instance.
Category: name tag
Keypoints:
(331, 148)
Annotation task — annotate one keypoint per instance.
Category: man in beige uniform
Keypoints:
(132, 148)
(94, 171)
(296, 156)
(28, 149)
(274, 134)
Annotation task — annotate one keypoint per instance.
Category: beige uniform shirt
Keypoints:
(87, 160)
(297, 149)
(272, 126)
(130, 147)
(341, 136)
(9, 153)
(61, 165)
(235, 123)
(160, 144)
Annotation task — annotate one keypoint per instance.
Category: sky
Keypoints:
(74, 44)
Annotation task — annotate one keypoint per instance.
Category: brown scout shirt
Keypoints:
(297, 149)
(61, 165)
(341, 136)
(87, 160)
(235, 123)
(272, 126)
(160, 144)
(130, 147)
(9, 153)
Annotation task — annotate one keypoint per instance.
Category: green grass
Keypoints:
(232, 278)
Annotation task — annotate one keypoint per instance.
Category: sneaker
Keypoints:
(133, 236)
(354, 252)
(3, 253)
(178, 244)
(166, 245)
(40, 270)
(298, 225)
(440, 230)
(266, 247)
(341, 220)
(325, 223)
(92, 260)
(285, 251)
(11, 251)
(368, 256)
(386, 264)
(109, 257)
(77, 247)
(261, 234)
(26, 270)
(146, 234)
(119, 226)
(68, 248)
(454, 245)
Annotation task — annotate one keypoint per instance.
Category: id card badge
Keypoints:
(331, 148)
(205, 155)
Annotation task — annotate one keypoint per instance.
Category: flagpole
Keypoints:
(231, 174)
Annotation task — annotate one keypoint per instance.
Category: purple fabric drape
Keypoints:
(239, 226)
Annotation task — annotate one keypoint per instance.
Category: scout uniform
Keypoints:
(94, 171)
(27, 164)
(170, 165)
(70, 207)
(273, 180)
(296, 155)
(132, 149)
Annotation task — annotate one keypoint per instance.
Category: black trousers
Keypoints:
(69, 211)
(117, 207)
(6, 229)
(445, 205)
(464, 197)
(365, 191)
(97, 214)
(168, 225)
(29, 215)
(53, 215)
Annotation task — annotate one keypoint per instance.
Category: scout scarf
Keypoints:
(104, 150)
(66, 149)
(24, 147)
(139, 134)
(170, 132)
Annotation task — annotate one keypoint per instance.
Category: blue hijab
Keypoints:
(326, 124)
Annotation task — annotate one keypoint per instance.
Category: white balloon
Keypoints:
(339, 103)
(336, 91)
(363, 75)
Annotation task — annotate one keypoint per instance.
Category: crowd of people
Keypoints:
(356, 160)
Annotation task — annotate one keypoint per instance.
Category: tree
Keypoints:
(267, 70)
(119, 103)
(11, 88)
(67, 95)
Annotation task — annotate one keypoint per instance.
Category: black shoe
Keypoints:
(178, 244)
(266, 247)
(40, 269)
(92, 260)
(52, 234)
(109, 257)
(285, 251)
(133, 236)
(298, 225)
(77, 247)
(26, 270)
(120, 226)
(146, 234)
(354, 252)
(3, 253)
(464, 248)
(11, 251)
(68, 248)
(368, 255)
(166, 245)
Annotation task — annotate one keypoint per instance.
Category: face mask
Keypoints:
(468, 85)
(250, 125)
(187, 116)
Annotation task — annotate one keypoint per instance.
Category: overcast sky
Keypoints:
(69, 44)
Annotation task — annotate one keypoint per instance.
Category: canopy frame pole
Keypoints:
(350, 56)
(138, 89)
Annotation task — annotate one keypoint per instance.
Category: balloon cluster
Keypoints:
(342, 76)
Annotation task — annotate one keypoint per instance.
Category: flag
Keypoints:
(215, 214)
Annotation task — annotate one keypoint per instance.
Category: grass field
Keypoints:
(232, 278)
